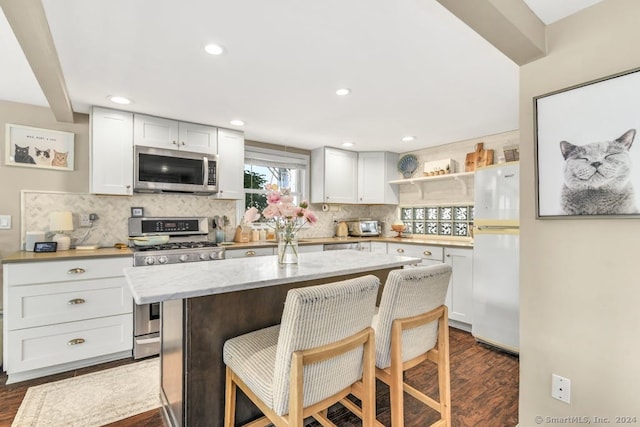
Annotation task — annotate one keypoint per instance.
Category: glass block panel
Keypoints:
(409, 227)
(432, 213)
(418, 213)
(418, 227)
(406, 214)
(432, 228)
(460, 229)
(445, 229)
(460, 213)
(446, 213)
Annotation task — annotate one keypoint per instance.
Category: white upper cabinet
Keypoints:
(334, 175)
(374, 172)
(111, 152)
(341, 176)
(170, 134)
(230, 164)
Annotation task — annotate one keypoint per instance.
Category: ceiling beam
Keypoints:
(29, 24)
(509, 25)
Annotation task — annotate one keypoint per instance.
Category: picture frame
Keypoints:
(31, 147)
(137, 212)
(585, 161)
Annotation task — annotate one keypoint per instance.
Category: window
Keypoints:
(263, 166)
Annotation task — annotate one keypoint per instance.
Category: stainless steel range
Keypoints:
(186, 241)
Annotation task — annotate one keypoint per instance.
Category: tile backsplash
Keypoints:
(114, 211)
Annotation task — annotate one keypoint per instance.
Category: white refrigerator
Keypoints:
(496, 293)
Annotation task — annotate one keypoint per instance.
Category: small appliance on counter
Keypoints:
(363, 227)
(342, 230)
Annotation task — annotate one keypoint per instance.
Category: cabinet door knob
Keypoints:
(182, 143)
(250, 253)
(427, 253)
(400, 250)
(76, 301)
(75, 341)
(448, 255)
(128, 187)
(174, 142)
(76, 271)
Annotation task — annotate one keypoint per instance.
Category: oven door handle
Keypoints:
(147, 340)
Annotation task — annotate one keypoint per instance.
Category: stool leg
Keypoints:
(229, 400)
(396, 388)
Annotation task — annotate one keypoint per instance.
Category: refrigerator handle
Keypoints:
(497, 227)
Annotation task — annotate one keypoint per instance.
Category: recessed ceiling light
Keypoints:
(237, 122)
(119, 99)
(214, 49)
(343, 92)
(348, 144)
(408, 138)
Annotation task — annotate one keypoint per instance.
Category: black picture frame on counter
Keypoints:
(137, 212)
(586, 164)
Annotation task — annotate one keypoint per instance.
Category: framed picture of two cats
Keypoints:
(586, 164)
(39, 148)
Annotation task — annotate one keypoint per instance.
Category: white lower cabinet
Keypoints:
(460, 293)
(250, 252)
(307, 248)
(378, 247)
(430, 254)
(62, 315)
(271, 250)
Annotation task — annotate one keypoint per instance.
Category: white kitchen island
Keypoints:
(206, 303)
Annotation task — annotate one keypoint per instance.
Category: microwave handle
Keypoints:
(205, 171)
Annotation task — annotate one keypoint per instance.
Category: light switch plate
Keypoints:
(5, 222)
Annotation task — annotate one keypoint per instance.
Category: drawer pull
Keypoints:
(76, 301)
(250, 253)
(400, 250)
(448, 255)
(76, 341)
(76, 271)
(427, 253)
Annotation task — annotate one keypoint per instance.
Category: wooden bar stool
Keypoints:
(323, 348)
(412, 326)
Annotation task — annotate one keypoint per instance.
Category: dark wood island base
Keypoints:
(193, 333)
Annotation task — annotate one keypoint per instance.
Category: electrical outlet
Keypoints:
(85, 220)
(561, 388)
(5, 222)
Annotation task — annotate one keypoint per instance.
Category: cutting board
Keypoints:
(480, 157)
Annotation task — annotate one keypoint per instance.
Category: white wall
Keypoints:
(580, 295)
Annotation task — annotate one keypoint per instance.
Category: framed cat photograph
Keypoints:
(39, 148)
(587, 165)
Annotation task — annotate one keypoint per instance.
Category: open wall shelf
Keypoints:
(462, 177)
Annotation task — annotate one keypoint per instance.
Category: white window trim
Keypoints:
(279, 157)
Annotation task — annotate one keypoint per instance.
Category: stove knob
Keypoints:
(162, 260)
(213, 255)
(204, 256)
(184, 258)
(149, 260)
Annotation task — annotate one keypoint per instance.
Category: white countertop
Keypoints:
(158, 283)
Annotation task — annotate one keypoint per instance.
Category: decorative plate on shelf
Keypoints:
(408, 165)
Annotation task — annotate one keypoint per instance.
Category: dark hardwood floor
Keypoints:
(484, 391)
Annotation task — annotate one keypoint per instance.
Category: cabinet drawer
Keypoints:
(64, 271)
(45, 346)
(39, 305)
(435, 253)
(249, 252)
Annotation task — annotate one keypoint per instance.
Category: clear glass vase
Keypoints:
(287, 248)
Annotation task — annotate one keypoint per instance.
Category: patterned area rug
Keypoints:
(93, 399)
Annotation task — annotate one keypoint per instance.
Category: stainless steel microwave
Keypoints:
(161, 170)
